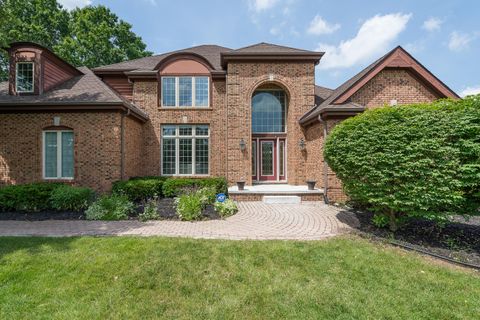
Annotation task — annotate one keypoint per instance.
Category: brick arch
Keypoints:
(266, 81)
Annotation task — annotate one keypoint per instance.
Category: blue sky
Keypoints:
(443, 35)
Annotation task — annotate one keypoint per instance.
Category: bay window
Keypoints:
(58, 154)
(185, 91)
(185, 150)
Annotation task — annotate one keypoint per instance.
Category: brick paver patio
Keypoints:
(255, 220)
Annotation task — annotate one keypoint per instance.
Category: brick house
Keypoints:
(251, 114)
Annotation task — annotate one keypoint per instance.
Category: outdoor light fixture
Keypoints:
(243, 146)
(301, 144)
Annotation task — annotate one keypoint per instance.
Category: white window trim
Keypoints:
(16, 77)
(177, 138)
(177, 92)
(59, 156)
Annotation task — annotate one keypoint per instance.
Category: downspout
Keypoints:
(325, 165)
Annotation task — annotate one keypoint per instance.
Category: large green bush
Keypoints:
(71, 198)
(174, 186)
(411, 161)
(27, 197)
(141, 188)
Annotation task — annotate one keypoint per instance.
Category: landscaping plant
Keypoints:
(175, 186)
(150, 211)
(139, 189)
(189, 206)
(70, 198)
(411, 161)
(226, 208)
(112, 207)
(31, 197)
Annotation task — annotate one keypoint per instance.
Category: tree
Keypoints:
(91, 36)
(97, 37)
(40, 21)
(411, 161)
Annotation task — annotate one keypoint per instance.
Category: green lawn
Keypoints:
(121, 278)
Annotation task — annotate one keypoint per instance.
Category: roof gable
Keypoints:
(396, 58)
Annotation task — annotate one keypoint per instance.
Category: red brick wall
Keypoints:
(97, 147)
(242, 79)
(393, 84)
(133, 147)
(146, 98)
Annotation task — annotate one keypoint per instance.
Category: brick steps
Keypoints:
(274, 192)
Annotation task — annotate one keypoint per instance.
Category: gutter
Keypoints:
(70, 106)
(325, 165)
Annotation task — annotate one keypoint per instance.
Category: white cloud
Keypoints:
(319, 26)
(374, 38)
(470, 90)
(432, 24)
(261, 5)
(459, 41)
(72, 4)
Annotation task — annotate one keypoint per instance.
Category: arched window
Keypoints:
(269, 108)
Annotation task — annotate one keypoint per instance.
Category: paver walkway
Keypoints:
(255, 220)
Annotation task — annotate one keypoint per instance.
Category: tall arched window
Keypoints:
(269, 111)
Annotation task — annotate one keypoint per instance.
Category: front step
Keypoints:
(282, 199)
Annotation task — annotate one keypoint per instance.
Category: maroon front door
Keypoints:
(268, 159)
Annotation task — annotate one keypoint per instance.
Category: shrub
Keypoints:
(226, 208)
(175, 186)
(27, 197)
(207, 195)
(411, 161)
(150, 211)
(140, 188)
(71, 198)
(112, 207)
(189, 206)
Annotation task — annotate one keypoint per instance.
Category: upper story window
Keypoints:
(185, 91)
(269, 111)
(24, 77)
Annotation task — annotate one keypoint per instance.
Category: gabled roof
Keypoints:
(267, 51)
(397, 58)
(87, 91)
(211, 53)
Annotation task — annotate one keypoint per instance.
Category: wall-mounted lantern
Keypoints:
(243, 146)
(301, 144)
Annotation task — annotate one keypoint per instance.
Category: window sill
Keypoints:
(186, 108)
(59, 179)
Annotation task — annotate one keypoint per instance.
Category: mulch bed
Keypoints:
(458, 240)
(42, 215)
(166, 210)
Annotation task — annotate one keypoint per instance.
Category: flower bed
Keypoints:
(137, 198)
(458, 239)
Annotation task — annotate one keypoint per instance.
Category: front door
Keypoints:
(268, 159)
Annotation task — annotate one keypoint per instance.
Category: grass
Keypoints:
(151, 278)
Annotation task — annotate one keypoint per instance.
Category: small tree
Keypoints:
(411, 161)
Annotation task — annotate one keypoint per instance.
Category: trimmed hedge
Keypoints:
(42, 196)
(174, 186)
(139, 188)
(71, 198)
(411, 161)
(27, 197)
